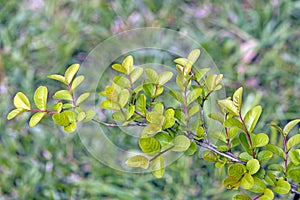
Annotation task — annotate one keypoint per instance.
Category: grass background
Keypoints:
(255, 44)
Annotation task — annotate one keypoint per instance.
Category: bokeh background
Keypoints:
(255, 44)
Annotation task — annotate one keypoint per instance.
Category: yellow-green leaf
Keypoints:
(252, 117)
(21, 101)
(111, 93)
(140, 105)
(123, 97)
(241, 197)
(119, 68)
(149, 145)
(288, 128)
(81, 116)
(260, 140)
(63, 94)
(169, 118)
(294, 140)
(71, 127)
(70, 72)
(138, 161)
(40, 97)
(58, 107)
(164, 77)
(76, 82)
(36, 118)
(282, 186)
(127, 64)
(61, 119)
(12, 114)
(57, 77)
(89, 115)
(229, 106)
(237, 98)
(135, 74)
(247, 181)
(194, 55)
(82, 98)
(253, 166)
(158, 166)
(107, 104)
(193, 95)
(151, 75)
(181, 143)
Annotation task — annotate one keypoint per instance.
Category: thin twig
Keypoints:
(119, 125)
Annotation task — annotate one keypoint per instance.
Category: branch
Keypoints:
(119, 125)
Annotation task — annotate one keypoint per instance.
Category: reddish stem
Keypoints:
(73, 98)
(248, 136)
(285, 155)
(46, 111)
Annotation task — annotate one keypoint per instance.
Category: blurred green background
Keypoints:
(255, 44)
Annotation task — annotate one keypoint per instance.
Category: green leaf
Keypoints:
(236, 170)
(229, 106)
(252, 117)
(193, 95)
(268, 195)
(156, 118)
(82, 98)
(237, 98)
(193, 110)
(21, 101)
(151, 75)
(123, 97)
(192, 149)
(181, 143)
(217, 117)
(40, 97)
(181, 61)
(149, 145)
(199, 74)
(140, 105)
(129, 112)
(232, 132)
(59, 78)
(275, 149)
(70, 128)
(295, 156)
(232, 122)
(260, 140)
(194, 55)
(180, 80)
(244, 141)
(294, 174)
(244, 156)
(164, 139)
(127, 64)
(70, 72)
(276, 167)
(264, 155)
(89, 115)
(36, 118)
(177, 95)
(212, 81)
(247, 181)
(169, 118)
(253, 166)
(61, 119)
(158, 166)
(270, 178)
(231, 183)
(151, 129)
(209, 156)
(135, 74)
(288, 128)
(282, 186)
(138, 161)
(76, 82)
(149, 89)
(67, 106)
(293, 141)
(158, 107)
(121, 81)
(63, 94)
(164, 77)
(12, 114)
(111, 93)
(107, 104)
(241, 197)
(118, 116)
(258, 186)
(277, 128)
(119, 68)
(80, 116)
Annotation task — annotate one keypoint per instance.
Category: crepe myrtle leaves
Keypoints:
(137, 97)
(66, 112)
